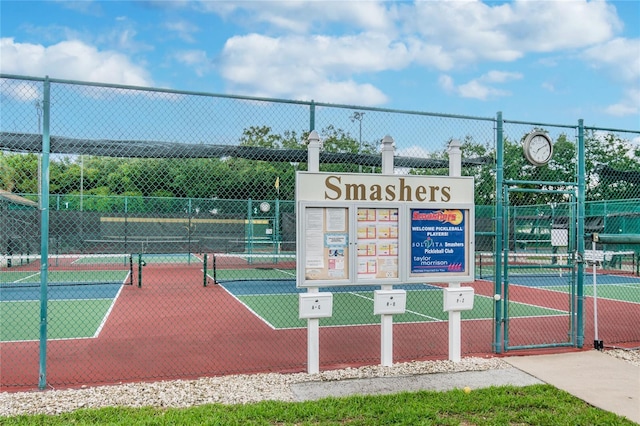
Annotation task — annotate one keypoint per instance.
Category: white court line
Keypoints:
(406, 311)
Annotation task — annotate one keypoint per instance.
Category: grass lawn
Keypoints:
(530, 405)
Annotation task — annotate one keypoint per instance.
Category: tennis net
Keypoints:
(534, 264)
(68, 270)
(225, 267)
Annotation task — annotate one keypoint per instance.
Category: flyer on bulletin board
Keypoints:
(438, 241)
(377, 253)
(326, 243)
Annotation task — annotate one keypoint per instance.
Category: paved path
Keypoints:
(434, 382)
(601, 380)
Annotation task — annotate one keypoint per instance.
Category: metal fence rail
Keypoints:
(196, 192)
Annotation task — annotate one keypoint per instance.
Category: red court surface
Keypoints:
(164, 331)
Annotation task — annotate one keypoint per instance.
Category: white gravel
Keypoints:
(235, 389)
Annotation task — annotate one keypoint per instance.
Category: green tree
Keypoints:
(609, 150)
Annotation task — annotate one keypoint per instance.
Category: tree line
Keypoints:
(242, 179)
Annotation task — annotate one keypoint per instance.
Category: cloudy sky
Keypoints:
(544, 61)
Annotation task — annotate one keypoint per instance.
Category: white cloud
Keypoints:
(467, 32)
(541, 26)
(481, 88)
(321, 67)
(619, 57)
(313, 49)
(87, 7)
(500, 76)
(446, 82)
(388, 36)
(22, 91)
(477, 90)
(197, 59)
(627, 106)
(123, 40)
(304, 16)
(184, 30)
(73, 60)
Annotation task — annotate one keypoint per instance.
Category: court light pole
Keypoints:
(358, 116)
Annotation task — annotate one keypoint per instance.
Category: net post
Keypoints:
(139, 270)
(204, 279)
(130, 269)
(215, 279)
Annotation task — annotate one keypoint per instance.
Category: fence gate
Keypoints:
(540, 274)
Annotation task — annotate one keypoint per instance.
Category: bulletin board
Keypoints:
(326, 243)
(362, 229)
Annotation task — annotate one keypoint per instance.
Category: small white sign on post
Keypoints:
(315, 305)
(458, 298)
(389, 302)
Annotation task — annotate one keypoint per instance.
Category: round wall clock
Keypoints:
(538, 148)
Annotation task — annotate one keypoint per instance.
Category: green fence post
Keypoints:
(189, 234)
(497, 344)
(580, 234)
(44, 230)
(249, 232)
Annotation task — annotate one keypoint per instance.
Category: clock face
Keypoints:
(538, 148)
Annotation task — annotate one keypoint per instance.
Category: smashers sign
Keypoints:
(383, 188)
(437, 241)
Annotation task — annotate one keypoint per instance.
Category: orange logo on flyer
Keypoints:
(453, 217)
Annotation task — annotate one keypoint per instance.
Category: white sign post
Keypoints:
(313, 323)
(386, 230)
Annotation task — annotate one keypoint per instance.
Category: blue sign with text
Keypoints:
(438, 241)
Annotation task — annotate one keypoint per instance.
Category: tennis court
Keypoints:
(552, 272)
(250, 315)
(81, 291)
(265, 285)
(83, 288)
(623, 288)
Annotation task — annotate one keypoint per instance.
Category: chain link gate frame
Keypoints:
(557, 333)
(137, 172)
(514, 253)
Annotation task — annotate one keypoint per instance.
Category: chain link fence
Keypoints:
(167, 236)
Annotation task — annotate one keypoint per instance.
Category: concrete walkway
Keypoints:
(433, 382)
(601, 380)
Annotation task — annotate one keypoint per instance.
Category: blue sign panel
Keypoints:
(438, 241)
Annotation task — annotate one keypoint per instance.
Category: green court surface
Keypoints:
(67, 319)
(33, 277)
(111, 259)
(256, 274)
(78, 303)
(622, 292)
(159, 258)
(356, 308)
